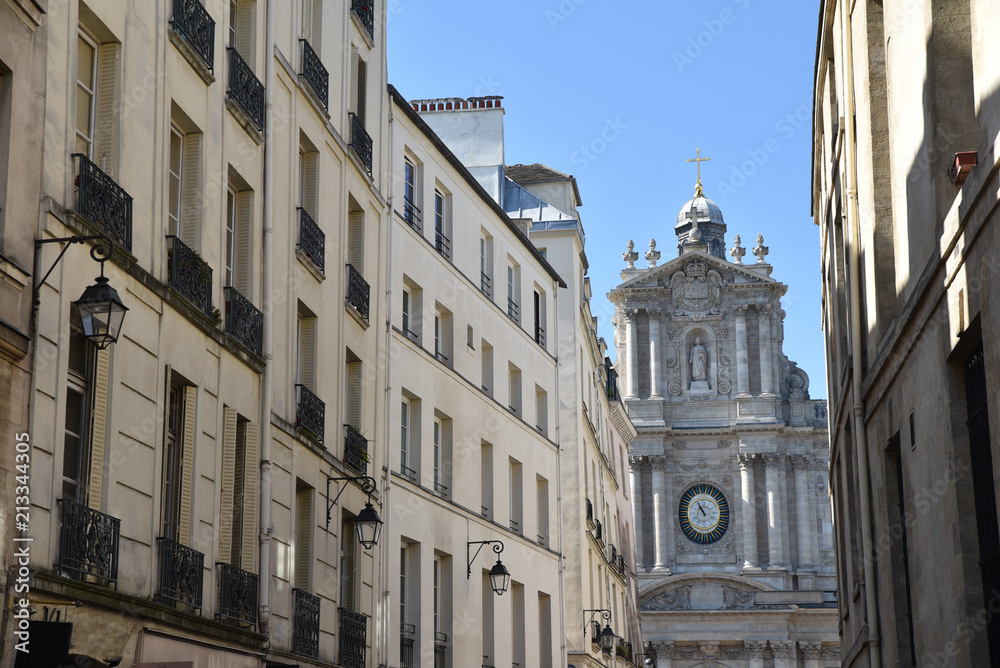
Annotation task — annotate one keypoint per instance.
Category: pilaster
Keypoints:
(751, 558)
(655, 381)
(764, 328)
(661, 514)
(772, 481)
(742, 364)
(635, 476)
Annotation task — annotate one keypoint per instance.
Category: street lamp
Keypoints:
(499, 575)
(607, 636)
(368, 523)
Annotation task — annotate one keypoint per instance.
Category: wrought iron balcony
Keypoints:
(315, 74)
(189, 274)
(361, 142)
(614, 556)
(513, 310)
(355, 450)
(590, 515)
(88, 544)
(625, 650)
(440, 487)
(514, 526)
(539, 336)
(244, 321)
(486, 285)
(598, 531)
(103, 202)
(193, 22)
(353, 638)
(357, 291)
(237, 596)
(305, 623)
(440, 650)
(245, 88)
(595, 637)
(310, 414)
(411, 214)
(406, 633)
(181, 574)
(365, 9)
(312, 241)
(442, 243)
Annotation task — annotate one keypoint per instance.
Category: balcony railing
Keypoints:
(103, 202)
(486, 284)
(407, 472)
(440, 649)
(411, 214)
(237, 596)
(192, 22)
(440, 487)
(590, 515)
(88, 544)
(189, 274)
(513, 310)
(353, 638)
(539, 336)
(355, 450)
(406, 649)
(625, 650)
(361, 142)
(357, 291)
(442, 243)
(305, 623)
(310, 414)
(246, 89)
(514, 526)
(312, 241)
(598, 531)
(244, 321)
(365, 9)
(595, 628)
(181, 574)
(614, 556)
(315, 74)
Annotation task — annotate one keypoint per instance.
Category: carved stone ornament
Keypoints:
(698, 359)
(663, 648)
(746, 461)
(723, 443)
(652, 254)
(811, 650)
(732, 651)
(799, 463)
(658, 463)
(771, 460)
(674, 372)
(735, 598)
(630, 256)
(724, 384)
(760, 250)
(679, 445)
(686, 651)
(755, 648)
(737, 251)
(696, 290)
(782, 649)
(635, 462)
(831, 651)
(672, 599)
(710, 652)
(793, 379)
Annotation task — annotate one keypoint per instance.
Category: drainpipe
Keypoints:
(559, 480)
(266, 529)
(852, 242)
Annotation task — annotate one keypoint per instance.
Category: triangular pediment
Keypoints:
(652, 276)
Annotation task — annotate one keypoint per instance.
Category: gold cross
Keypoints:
(698, 192)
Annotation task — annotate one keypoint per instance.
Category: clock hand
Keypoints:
(701, 507)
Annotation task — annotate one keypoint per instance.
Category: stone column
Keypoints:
(751, 558)
(811, 653)
(632, 353)
(655, 382)
(635, 478)
(764, 327)
(755, 651)
(661, 513)
(664, 654)
(804, 515)
(772, 478)
(742, 365)
(782, 651)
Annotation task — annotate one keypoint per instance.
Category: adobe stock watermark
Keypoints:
(562, 12)
(697, 44)
(592, 150)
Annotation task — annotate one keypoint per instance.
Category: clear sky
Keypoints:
(620, 94)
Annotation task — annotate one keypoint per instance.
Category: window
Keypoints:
(81, 388)
(489, 624)
(86, 93)
(407, 305)
(403, 567)
(487, 363)
(178, 460)
(442, 608)
(545, 630)
(513, 287)
(486, 264)
(411, 209)
(359, 85)
(309, 181)
(239, 235)
(303, 536)
(438, 446)
(356, 237)
(305, 366)
(405, 453)
(486, 479)
(184, 187)
(442, 231)
(412, 306)
(514, 389)
(516, 496)
(442, 453)
(541, 411)
(539, 318)
(312, 20)
(348, 565)
(175, 171)
(443, 334)
(238, 538)
(96, 98)
(517, 622)
(352, 391)
(470, 338)
(437, 595)
(242, 28)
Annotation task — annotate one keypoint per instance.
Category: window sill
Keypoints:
(245, 122)
(308, 263)
(194, 59)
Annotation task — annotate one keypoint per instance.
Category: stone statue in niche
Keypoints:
(698, 360)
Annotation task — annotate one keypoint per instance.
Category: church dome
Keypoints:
(705, 209)
(700, 224)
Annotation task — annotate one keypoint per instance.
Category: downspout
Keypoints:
(264, 581)
(860, 437)
(559, 481)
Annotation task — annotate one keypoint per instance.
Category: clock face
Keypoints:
(704, 514)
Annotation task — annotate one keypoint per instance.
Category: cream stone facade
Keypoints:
(729, 467)
(181, 488)
(906, 138)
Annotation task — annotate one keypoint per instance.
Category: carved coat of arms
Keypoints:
(696, 290)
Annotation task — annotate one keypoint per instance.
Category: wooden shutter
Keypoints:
(245, 30)
(356, 242)
(250, 464)
(310, 184)
(98, 431)
(307, 352)
(106, 109)
(187, 465)
(227, 483)
(191, 190)
(243, 260)
(303, 538)
(355, 61)
(307, 18)
(354, 394)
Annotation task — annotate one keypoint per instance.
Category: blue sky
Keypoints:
(619, 96)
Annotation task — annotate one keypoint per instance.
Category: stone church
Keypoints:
(734, 539)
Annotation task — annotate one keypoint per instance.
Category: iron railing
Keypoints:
(406, 633)
(310, 413)
(181, 574)
(315, 74)
(88, 543)
(237, 596)
(590, 515)
(514, 524)
(407, 472)
(357, 291)
(598, 531)
(245, 88)
(440, 487)
(189, 274)
(193, 22)
(365, 9)
(361, 142)
(541, 539)
(440, 649)
(625, 650)
(355, 449)
(442, 243)
(614, 556)
(353, 638)
(305, 623)
(485, 284)
(103, 202)
(244, 321)
(513, 310)
(312, 240)
(411, 214)
(540, 335)
(595, 638)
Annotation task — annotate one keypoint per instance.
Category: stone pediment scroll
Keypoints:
(696, 290)
(735, 598)
(672, 599)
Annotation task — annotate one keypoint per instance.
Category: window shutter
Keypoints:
(187, 456)
(106, 109)
(303, 538)
(356, 231)
(98, 431)
(242, 271)
(307, 353)
(228, 482)
(355, 62)
(191, 190)
(250, 464)
(307, 17)
(354, 395)
(245, 24)
(310, 173)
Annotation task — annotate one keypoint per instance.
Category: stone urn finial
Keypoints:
(652, 254)
(737, 251)
(760, 250)
(630, 256)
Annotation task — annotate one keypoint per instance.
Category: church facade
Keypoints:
(734, 540)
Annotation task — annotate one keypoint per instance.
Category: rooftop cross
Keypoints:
(698, 192)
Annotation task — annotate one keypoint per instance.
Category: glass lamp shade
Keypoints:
(608, 638)
(369, 526)
(101, 313)
(499, 577)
